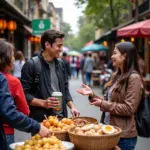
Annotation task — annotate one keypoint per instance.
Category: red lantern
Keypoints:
(31, 39)
(39, 40)
(3, 25)
(12, 26)
(36, 39)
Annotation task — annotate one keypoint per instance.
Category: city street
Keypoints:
(85, 109)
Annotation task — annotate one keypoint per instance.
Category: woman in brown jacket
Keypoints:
(123, 96)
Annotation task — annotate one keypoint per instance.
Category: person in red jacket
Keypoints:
(15, 87)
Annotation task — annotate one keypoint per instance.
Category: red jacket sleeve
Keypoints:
(20, 99)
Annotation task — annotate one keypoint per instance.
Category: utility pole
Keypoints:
(136, 11)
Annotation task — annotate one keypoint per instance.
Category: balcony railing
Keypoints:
(142, 8)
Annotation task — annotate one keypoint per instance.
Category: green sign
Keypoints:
(40, 25)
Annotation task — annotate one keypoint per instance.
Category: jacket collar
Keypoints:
(45, 62)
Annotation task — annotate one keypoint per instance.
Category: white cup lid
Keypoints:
(56, 94)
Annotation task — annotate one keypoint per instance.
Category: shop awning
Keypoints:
(29, 29)
(111, 34)
(140, 29)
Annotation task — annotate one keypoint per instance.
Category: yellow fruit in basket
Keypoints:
(87, 127)
(108, 129)
(64, 120)
(59, 125)
(55, 122)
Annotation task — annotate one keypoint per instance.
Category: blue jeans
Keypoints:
(10, 139)
(88, 78)
(127, 143)
(73, 71)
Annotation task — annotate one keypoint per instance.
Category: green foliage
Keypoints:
(106, 13)
(86, 33)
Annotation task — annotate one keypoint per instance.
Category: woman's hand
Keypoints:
(86, 90)
(96, 102)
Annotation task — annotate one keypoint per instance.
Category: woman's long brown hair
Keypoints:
(130, 64)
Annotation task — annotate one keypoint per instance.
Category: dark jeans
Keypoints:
(88, 78)
(127, 143)
(10, 139)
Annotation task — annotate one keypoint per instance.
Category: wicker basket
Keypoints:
(104, 142)
(62, 135)
(89, 119)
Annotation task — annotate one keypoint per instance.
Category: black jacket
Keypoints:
(9, 114)
(43, 89)
(67, 67)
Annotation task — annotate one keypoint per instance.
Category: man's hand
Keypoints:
(75, 112)
(51, 102)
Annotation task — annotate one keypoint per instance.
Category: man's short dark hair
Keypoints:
(50, 36)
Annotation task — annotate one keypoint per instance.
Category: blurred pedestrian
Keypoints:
(82, 68)
(141, 65)
(73, 67)
(66, 63)
(78, 66)
(6, 65)
(18, 64)
(88, 68)
(124, 94)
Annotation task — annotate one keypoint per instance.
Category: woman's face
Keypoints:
(117, 58)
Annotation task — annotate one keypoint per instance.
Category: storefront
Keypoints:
(12, 22)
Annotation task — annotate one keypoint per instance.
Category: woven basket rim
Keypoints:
(95, 136)
(60, 131)
(73, 118)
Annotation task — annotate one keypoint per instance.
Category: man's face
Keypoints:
(56, 48)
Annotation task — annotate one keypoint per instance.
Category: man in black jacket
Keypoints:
(10, 115)
(52, 78)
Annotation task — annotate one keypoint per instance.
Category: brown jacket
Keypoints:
(123, 105)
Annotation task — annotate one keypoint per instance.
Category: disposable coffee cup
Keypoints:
(58, 95)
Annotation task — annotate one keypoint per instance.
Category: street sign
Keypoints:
(40, 25)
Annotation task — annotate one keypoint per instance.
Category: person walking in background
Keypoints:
(15, 87)
(82, 68)
(52, 77)
(88, 68)
(73, 67)
(141, 65)
(67, 65)
(124, 94)
(78, 66)
(18, 64)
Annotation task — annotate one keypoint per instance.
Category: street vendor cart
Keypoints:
(95, 77)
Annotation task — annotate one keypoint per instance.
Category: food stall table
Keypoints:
(95, 77)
